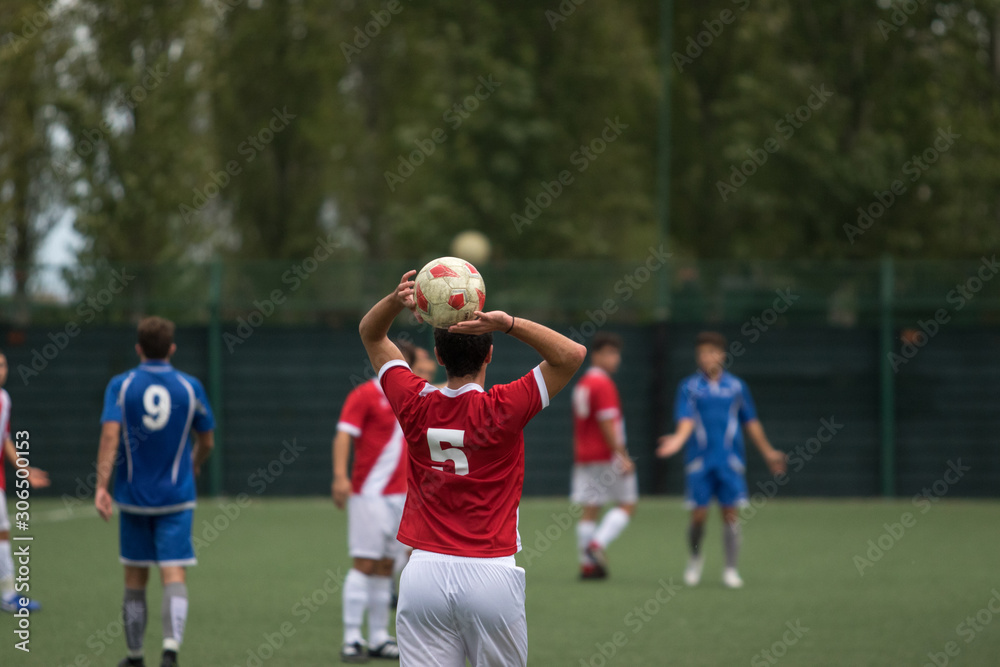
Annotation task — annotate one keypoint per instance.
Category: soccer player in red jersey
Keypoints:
(603, 472)
(462, 595)
(374, 494)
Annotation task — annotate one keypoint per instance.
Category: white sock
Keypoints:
(379, 597)
(612, 525)
(584, 533)
(355, 601)
(6, 570)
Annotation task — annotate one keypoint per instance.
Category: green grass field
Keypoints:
(268, 573)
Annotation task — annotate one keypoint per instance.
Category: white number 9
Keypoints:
(448, 436)
(156, 401)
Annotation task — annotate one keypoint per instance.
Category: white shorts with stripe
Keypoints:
(596, 484)
(453, 608)
(372, 524)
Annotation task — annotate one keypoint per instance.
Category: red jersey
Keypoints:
(378, 442)
(4, 435)
(595, 399)
(465, 460)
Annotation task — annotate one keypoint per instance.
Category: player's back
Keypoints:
(595, 399)
(158, 407)
(465, 463)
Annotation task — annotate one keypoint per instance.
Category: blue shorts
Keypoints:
(725, 482)
(157, 539)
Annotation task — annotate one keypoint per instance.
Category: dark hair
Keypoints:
(710, 338)
(156, 335)
(603, 339)
(462, 354)
(408, 349)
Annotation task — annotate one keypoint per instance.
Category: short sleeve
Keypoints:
(352, 415)
(401, 387)
(112, 411)
(204, 420)
(684, 403)
(604, 401)
(517, 402)
(748, 411)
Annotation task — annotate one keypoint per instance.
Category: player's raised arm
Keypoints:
(562, 356)
(672, 443)
(374, 327)
(775, 458)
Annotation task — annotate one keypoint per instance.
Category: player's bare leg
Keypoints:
(731, 540)
(611, 526)
(696, 530)
(585, 529)
(134, 613)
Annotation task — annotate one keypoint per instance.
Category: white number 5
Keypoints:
(448, 436)
(156, 400)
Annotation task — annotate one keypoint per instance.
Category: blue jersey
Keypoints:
(157, 407)
(719, 410)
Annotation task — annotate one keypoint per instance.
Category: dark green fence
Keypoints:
(879, 378)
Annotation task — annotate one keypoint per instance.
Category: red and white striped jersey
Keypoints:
(465, 460)
(595, 399)
(378, 442)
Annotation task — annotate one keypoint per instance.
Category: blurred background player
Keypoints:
(603, 472)
(462, 595)
(10, 600)
(374, 494)
(711, 405)
(149, 414)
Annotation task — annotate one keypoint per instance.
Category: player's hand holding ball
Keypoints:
(495, 320)
(404, 293)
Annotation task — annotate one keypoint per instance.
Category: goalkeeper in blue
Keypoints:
(711, 407)
(150, 414)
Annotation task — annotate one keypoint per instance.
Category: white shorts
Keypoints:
(372, 524)
(453, 608)
(601, 483)
(4, 519)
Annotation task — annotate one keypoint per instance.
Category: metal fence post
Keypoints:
(887, 377)
(216, 466)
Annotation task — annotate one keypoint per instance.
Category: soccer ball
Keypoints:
(447, 291)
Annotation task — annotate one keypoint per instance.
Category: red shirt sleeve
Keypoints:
(401, 387)
(517, 402)
(604, 400)
(352, 415)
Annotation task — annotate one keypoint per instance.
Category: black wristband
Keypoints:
(512, 319)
